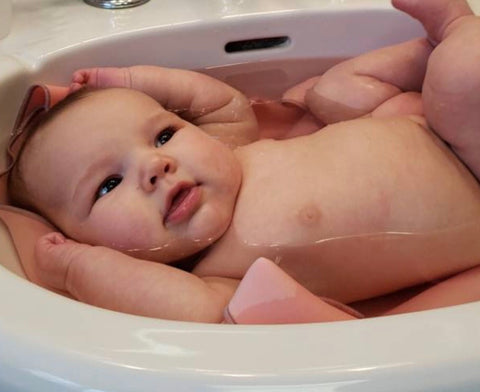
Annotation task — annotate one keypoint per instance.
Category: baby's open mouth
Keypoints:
(182, 201)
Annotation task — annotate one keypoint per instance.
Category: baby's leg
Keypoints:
(379, 82)
(451, 91)
(459, 289)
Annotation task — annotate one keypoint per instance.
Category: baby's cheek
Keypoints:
(125, 229)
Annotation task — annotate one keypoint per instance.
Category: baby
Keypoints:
(360, 209)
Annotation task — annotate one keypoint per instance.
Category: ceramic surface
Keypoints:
(50, 343)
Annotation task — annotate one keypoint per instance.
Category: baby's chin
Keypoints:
(207, 227)
(176, 250)
(169, 253)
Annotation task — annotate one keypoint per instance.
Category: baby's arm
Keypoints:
(112, 280)
(220, 110)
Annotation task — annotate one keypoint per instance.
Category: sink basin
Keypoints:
(51, 343)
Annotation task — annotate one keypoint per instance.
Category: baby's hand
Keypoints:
(101, 78)
(59, 262)
(278, 120)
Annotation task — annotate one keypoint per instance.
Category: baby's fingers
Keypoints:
(82, 78)
(101, 78)
(50, 265)
(296, 94)
(93, 274)
(56, 258)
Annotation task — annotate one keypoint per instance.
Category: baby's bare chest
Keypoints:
(296, 194)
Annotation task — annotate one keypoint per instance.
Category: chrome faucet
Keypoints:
(115, 4)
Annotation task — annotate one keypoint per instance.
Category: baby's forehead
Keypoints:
(98, 116)
(101, 99)
(102, 103)
(90, 116)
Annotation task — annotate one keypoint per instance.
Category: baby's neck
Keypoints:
(190, 262)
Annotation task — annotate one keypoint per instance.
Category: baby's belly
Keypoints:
(356, 210)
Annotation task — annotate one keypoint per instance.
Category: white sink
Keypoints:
(50, 343)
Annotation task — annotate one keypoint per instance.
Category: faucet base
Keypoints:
(115, 4)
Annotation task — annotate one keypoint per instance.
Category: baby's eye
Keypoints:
(107, 186)
(164, 136)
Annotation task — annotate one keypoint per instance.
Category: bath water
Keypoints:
(395, 259)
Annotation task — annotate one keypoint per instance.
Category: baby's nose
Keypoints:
(155, 169)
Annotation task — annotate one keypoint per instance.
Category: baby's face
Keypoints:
(116, 169)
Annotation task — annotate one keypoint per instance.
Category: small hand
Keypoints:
(283, 120)
(57, 260)
(100, 78)
(296, 94)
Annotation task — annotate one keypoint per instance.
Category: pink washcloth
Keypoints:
(268, 295)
